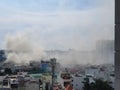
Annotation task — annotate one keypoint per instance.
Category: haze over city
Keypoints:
(57, 45)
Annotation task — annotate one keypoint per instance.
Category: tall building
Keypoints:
(2, 55)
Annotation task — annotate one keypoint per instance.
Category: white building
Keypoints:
(77, 82)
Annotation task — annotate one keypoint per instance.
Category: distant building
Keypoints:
(92, 71)
(35, 64)
(102, 73)
(57, 67)
(3, 56)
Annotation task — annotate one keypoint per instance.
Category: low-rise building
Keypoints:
(77, 82)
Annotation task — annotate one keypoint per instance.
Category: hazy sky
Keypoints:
(58, 24)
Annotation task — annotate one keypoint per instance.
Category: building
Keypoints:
(76, 82)
(2, 55)
(45, 66)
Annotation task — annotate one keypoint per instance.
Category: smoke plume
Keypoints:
(103, 53)
(22, 49)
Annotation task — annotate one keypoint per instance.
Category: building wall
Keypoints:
(45, 66)
(77, 83)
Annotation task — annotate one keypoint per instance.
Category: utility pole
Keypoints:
(117, 44)
(40, 83)
(53, 64)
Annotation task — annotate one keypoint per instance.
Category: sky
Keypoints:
(57, 24)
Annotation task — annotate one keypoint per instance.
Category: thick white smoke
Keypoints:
(22, 49)
(103, 53)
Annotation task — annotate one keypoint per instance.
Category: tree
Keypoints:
(101, 85)
(98, 85)
(8, 71)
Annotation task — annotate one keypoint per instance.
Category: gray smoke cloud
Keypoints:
(103, 53)
(21, 48)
